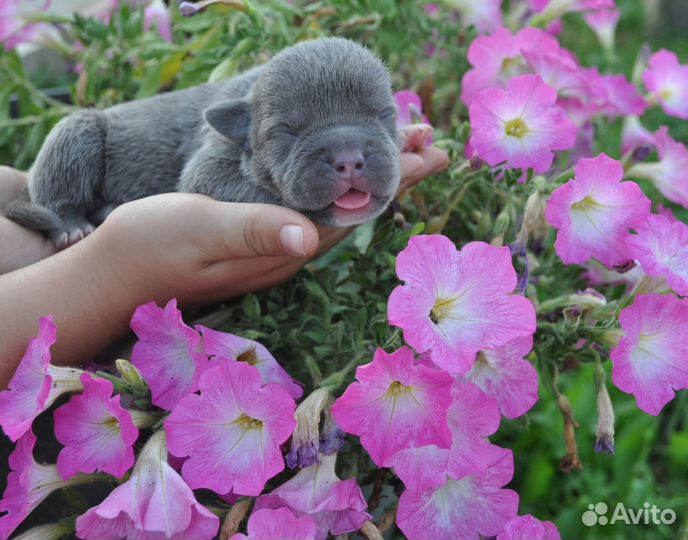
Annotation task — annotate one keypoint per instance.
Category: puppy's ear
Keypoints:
(232, 119)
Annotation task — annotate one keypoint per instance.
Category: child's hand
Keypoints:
(200, 250)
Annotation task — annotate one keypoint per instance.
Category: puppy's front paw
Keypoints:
(416, 136)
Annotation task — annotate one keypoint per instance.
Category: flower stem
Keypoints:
(334, 381)
(142, 419)
(437, 225)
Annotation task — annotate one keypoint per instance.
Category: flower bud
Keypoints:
(604, 443)
(49, 531)
(502, 222)
(612, 337)
(588, 300)
(535, 226)
(131, 376)
(188, 9)
(642, 153)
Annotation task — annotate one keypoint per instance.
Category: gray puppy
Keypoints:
(314, 130)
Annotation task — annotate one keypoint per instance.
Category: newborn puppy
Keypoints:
(314, 129)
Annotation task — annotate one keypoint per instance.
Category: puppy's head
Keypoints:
(319, 130)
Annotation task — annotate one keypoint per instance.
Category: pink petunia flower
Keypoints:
(229, 346)
(667, 213)
(281, 523)
(154, 503)
(667, 174)
(499, 57)
(456, 303)
(560, 72)
(635, 135)
(414, 127)
(503, 374)
(579, 112)
(431, 10)
(445, 501)
(36, 384)
(167, 353)
(603, 22)
(472, 417)
(28, 484)
(598, 274)
(395, 405)
(614, 95)
(14, 28)
(667, 81)
(158, 15)
(594, 211)
(651, 360)
(661, 248)
(521, 125)
(529, 528)
(409, 109)
(96, 431)
(337, 506)
(232, 431)
(485, 15)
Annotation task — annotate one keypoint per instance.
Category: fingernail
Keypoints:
(291, 237)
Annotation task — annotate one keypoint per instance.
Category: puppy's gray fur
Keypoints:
(270, 135)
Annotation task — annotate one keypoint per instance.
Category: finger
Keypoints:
(241, 230)
(412, 165)
(225, 275)
(12, 182)
(419, 165)
(415, 136)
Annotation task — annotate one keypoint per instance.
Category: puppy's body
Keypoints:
(314, 130)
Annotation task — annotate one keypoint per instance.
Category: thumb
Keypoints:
(245, 230)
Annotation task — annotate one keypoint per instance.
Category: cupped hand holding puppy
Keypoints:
(200, 250)
(172, 245)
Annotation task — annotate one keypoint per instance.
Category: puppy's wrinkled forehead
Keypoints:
(320, 81)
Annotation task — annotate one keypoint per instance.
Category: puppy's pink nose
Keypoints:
(349, 164)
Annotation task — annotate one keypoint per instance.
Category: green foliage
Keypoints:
(332, 316)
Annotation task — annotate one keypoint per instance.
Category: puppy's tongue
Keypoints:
(352, 199)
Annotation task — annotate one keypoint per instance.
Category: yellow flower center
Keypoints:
(441, 309)
(111, 423)
(666, 94)
(397, 389)
(249, 356)
(510, 66)
(516, 128)
(246, 422)
(589, 203)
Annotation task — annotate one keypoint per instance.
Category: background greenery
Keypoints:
(335, 310)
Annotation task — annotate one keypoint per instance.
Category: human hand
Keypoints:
(173, 245)
(200, 250)
(19, 247)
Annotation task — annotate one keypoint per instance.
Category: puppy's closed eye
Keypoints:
(284, 131)
(389, 113)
